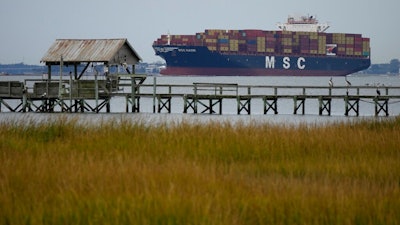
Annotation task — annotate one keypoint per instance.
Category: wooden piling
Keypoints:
(164, 102)
(244, 104)
(381, 105)
(352, 104)
(270, 103)
(301, 104)
(324, 105)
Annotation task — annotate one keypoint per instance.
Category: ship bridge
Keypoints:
(303, 23)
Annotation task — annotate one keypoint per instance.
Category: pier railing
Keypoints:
(210, 95)
(48, 96)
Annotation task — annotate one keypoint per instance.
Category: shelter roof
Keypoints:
(110, 51)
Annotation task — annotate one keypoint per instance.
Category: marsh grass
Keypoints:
(120, 172)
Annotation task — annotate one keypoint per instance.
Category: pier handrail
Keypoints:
(226, 89)
(270, 90)
(44, 95)
(216, 88)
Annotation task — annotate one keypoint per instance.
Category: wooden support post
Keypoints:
(76, 103)
(185, 104)
(52, 104)
(195, 102)
(164, 102)
(136, 104)
(210, 103)
(133, 93)
(108, 106)
(352, 103)
(220, 106)
(47, 105)
(82, 105)
(24, 102)
(195, 99)
(324, 104)
(273, 105)
(244, 103)
(211, 111)
(381, 105)
(96, 90)
(189, 103)
(126, 103)
(301, 104)
(154, 93)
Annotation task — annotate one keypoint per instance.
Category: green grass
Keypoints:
(119, 172)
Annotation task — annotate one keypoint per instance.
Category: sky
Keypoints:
(28, 28)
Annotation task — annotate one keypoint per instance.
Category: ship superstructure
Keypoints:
(303, 23)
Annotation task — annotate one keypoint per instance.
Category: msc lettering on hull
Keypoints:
(270, 62)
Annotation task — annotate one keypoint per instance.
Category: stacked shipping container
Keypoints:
(274, 42)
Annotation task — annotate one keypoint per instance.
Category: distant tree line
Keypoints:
(385, 68)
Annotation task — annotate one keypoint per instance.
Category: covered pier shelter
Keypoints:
(83, 52)
(113, 59)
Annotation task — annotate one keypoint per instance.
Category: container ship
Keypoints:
(300, 47)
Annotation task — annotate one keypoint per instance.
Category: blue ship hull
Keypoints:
(199, 60)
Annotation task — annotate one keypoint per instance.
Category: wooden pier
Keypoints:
(96, 96)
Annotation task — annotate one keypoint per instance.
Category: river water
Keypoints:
(285, 106)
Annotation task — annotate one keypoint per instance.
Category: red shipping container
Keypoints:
(270, 44)
(253, 33)
(314, 42)
(269, 35)
(358, 39)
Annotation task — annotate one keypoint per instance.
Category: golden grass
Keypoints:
(65, 172)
